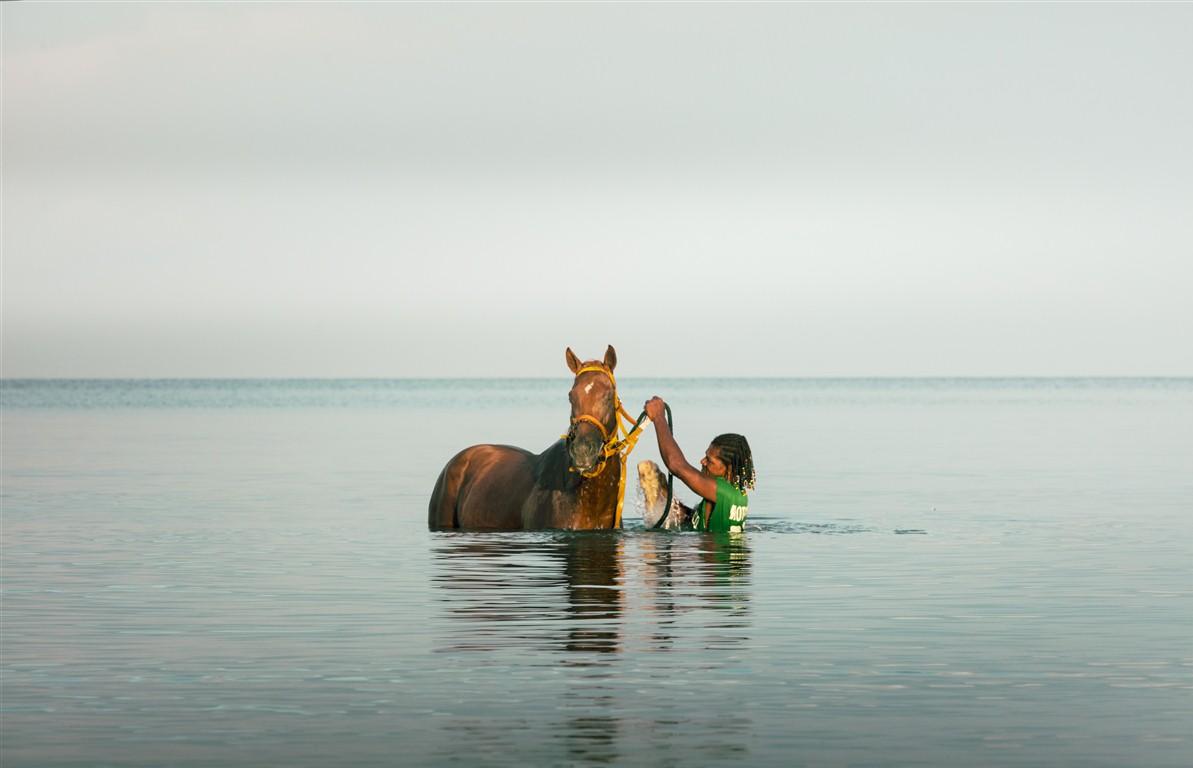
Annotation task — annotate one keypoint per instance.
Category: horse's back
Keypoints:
(484, 486)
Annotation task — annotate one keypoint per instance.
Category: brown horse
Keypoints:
(572, 484)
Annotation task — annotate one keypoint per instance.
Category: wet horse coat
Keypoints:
(569, 485)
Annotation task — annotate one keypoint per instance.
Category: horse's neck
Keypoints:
(553, 470)
(591, 496)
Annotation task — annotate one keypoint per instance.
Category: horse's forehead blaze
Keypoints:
(590, 390)
(586, 396)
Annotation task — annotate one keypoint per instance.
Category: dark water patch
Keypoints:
(781, 525)
(761, 525)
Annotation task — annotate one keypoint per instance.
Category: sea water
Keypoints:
(935, 572)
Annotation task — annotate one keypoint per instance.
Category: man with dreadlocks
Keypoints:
(726, 474)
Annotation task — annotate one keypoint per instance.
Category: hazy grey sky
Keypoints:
(278, 189)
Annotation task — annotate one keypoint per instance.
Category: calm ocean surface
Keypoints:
(936, 572)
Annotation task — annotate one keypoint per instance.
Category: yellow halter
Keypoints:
(613, 446)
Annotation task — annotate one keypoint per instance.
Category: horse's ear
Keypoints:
(610, 358)
(573, 361)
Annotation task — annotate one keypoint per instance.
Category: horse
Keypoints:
(577, 483)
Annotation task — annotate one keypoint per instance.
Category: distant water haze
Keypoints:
(392, 190)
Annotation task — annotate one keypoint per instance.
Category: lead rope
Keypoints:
(622, 448)
(670, 478)
(630, 443)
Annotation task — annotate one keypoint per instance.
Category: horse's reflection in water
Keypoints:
(565, 591)
(546, 599)
(549, 592)
(588, 604)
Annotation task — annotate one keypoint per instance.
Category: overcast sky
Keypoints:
(279, 189)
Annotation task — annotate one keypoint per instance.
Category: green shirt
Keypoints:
(729, 512)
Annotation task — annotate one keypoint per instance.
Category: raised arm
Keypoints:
(674, 458)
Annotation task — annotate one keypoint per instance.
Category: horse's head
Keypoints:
(594, 410)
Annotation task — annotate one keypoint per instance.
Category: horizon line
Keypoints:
(855, 377)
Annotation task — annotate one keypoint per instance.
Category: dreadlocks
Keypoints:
(735, 452)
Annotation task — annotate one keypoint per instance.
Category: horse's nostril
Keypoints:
(585, 454)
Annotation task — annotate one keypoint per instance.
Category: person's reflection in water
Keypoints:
(726, 557)
(687, 574)
(693, 607)
(725, 577)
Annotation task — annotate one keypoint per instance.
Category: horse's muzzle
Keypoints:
(585, 454)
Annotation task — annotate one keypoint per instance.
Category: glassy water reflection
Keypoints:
(936, 573)
(614, 614)
(568, 592)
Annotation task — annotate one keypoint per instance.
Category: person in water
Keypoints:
(725, 476)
